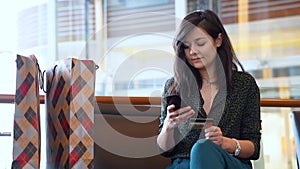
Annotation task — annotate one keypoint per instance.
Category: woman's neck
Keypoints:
(208, 77)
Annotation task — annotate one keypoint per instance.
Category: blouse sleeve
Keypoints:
(164, 103)
(163, 116)
(251, 118)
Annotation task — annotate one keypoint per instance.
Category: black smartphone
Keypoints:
(174, 99)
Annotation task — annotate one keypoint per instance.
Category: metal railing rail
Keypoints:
(265, 102)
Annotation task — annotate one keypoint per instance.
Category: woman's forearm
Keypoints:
(247, 147)
(165, 139)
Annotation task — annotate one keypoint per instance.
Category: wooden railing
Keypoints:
(265, 102)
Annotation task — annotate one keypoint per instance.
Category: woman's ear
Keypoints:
(219, 40)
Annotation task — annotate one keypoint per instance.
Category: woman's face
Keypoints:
(200, 49)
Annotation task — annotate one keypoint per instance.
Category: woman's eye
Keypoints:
(200, 44)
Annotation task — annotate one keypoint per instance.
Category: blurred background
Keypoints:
(131, 41)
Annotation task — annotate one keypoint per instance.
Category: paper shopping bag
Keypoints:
(26, 144)
(70, 114)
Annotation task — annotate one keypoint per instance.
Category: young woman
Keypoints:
(212, 83)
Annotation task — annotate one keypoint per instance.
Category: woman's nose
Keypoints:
(193, 50)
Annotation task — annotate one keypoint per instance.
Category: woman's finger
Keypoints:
(170, 108)
(214, 134)
(186, 115)
(211, 129)
(174, 118)
(185, 111)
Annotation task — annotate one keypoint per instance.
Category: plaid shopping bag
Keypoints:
(26, 144)
(70, 114)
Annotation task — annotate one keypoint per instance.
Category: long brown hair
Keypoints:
(185, 75)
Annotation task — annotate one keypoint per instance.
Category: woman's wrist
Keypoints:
(167, 128)
(165, 138)
(229, 145)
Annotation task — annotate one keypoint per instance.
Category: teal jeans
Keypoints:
(207, 155)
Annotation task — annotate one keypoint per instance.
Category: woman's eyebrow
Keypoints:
(186, 42)
(199, 38)
(195, 40)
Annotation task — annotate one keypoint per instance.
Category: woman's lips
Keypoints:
(196, 59)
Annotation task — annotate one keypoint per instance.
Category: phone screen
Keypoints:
(174, 99)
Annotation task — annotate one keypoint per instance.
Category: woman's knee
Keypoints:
(206, 154)
(202, 146)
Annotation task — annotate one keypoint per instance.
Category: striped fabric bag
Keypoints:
(26, 143)
(70, 114)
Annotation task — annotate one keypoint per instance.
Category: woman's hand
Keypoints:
(214, 134)
(165, 139)
(174, 118)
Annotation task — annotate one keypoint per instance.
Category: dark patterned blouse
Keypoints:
(236, 112)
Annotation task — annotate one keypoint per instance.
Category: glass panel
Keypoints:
(278, 146)
(138, 56)
(265, 37)
(8, 72)
(6, 136)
